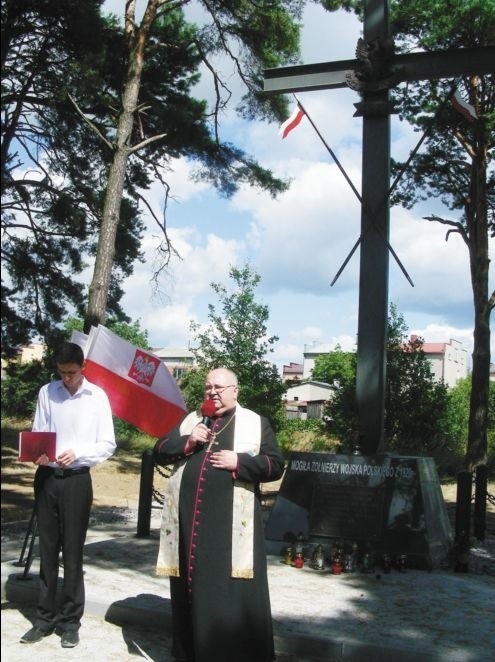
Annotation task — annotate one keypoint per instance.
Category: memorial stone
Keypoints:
(390, 504)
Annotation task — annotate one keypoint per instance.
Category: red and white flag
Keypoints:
(466, 109)
(140, 388)
(292, 122)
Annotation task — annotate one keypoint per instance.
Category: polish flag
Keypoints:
(292, 122)
(140, 388)
(466, 109)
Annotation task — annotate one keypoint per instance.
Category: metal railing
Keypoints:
(27, 551)
(148, 493)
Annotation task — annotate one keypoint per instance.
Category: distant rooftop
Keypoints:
(173, 353)
(293, 367)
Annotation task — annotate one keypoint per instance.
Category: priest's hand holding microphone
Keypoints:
(202, 435)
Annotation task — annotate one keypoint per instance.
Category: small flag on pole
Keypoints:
(466, 109)
(140, 388)
(292, 122)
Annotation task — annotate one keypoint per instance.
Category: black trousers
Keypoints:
(63, 506)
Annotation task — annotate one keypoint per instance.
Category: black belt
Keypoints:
(65, 473)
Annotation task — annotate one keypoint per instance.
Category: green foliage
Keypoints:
(51, 187)
(192, 387)
(349, 5)
(305, 435)
(73, 324)
(415, 405)
(236, 339)
(458, 413)
(63, 60)
(443, 23)
(129, 438)
(20, 387)
(457, 423)
(342, 412)
(130, 331)
(455, 163)
(336, 366)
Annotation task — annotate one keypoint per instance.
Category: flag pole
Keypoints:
(330, 151)
(358, 195)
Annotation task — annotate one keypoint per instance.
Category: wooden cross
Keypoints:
(374, 75)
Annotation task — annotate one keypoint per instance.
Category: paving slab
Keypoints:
(402, 617)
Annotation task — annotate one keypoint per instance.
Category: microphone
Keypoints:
(208, 409)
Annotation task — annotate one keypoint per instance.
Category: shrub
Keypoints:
(306, 436)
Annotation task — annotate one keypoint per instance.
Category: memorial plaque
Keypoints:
(392, 504)
(351, 512)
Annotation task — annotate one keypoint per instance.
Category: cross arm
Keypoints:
(406, 67)
(306, 77)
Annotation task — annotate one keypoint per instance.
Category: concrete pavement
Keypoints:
(401, 617)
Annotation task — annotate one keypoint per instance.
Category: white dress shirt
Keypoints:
(83, 421)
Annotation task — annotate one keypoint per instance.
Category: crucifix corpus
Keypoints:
(375, 71)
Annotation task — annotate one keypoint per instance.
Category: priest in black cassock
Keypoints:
(211, 541)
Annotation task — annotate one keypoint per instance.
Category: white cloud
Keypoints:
(298, 242)
(444, 333)
(184, 289)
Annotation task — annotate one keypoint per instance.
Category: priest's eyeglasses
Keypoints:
(218, 389)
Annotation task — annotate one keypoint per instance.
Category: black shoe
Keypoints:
(33, 635)
(70, 639)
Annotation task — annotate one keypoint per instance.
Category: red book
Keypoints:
(34, 444)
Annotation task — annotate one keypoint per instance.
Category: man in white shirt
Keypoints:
(80, 415)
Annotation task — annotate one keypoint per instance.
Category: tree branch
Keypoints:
(491, 301)
(90, 123)
(456, 227)
(218, 83)
(146, 142)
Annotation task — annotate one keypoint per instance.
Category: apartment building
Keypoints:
(177, 360)
(448, 360)
(292, 372)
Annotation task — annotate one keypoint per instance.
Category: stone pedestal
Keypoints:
(386, 504)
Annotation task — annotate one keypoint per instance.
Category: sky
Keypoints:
(298, 241)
